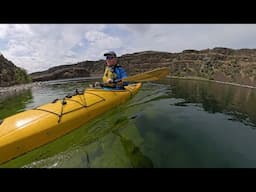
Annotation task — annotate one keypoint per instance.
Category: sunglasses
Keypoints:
(110, 57)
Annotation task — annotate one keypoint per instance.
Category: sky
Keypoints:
(37, 47)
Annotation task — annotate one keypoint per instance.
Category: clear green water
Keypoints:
(171, 123)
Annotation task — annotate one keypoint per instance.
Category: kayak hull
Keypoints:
(33, 128)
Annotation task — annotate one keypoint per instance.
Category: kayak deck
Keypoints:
(30, 129)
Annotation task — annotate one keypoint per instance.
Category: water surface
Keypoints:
(170, 123)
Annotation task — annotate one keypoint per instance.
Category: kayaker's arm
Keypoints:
(122, 74)
(120, 82)
(113, 84)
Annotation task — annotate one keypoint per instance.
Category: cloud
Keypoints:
(100, 42)
(177, 37)
(136, 28)
(3, 30)
(38, 47)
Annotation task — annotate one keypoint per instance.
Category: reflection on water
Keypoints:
(136, 157)
(12, 104)
(239, 102)
(169, 123)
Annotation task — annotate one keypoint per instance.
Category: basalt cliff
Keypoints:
(10, 74)
(222, 64)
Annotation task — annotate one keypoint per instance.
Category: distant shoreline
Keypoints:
(21, 87)
(17, 88)
(214, 81)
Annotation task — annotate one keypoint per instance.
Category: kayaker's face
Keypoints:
(111, 61)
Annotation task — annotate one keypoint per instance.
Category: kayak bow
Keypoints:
(30, 129)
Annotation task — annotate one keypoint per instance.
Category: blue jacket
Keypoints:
(120, 73)
(116, 73)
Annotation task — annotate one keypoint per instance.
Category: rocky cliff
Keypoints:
(219, 63)
(81, 69)
(10, 74)
(133, 63)
(222, 64)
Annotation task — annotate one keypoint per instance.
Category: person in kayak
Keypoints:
(114, 73)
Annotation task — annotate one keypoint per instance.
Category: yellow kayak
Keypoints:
(30, 129)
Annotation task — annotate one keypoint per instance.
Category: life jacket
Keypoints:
(115, 73)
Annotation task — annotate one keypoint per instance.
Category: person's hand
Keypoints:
(109, 81)
(120, 83)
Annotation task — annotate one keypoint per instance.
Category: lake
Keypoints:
(172, 123)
